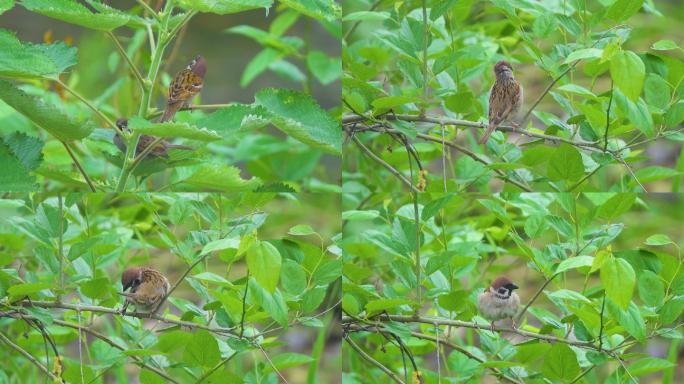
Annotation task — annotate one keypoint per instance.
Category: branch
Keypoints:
(123, 53)
(30, 358)
(435, 339)
(380, 161)
(351, 118)
(80, 168)
(484, 327)
(536, 295)
(97, 309)
(371, 360)
(89, 104)
(548, 88)
(115, 345)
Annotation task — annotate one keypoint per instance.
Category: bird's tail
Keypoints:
(170, 112)
(488, 132)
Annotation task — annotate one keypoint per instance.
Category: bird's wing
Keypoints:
(184, 86)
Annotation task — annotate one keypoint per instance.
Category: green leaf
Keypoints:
(675, 114)
(575, 262)
(623, 9)
(389, 102)
(374, 307)
(567, 294)
(227, 121)
(432, 208)
(658, 239)
(657, 92)
(210, 277)
(578, 90)
(6, 5)
(366, 16)
(15, 177)
(671, 310)
(220, 177)
(560, 363)
(655, 173)
(630, 319)
(664, 45)
(601, 257)
(628, 73)
(20, 290)
(535, 226)
(649, 365)
(202, 350)
(224, 7)
(324, 10)
(28, 61)
(585, 53)
(293, 277)
(354, 215)
(171, 129)
(94, 288)
(26, 148)
(298, 115)
(301, 230)
(258, 64)
(326, 69)
(651, 289)
(220, 244)
(273, 304)
(46, 116)
(289, 360)
(637, 113)
(72, 12)
(620, 203)
(264, 262)
(618, 279)
(565, 164)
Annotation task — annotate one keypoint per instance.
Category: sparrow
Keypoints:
(160, 149)
(505, 98)
(147, 288)
(499, 301)
(184, 87)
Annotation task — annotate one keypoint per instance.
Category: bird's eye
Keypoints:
(502, 290)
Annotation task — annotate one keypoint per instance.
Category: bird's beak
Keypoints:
(514, 286)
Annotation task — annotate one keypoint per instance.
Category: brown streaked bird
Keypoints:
(147, 288)
(161, 149)
(505, 99)
(499, 301)
(184, 87)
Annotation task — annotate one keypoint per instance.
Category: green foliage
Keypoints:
(579, 260)
(218, 324)
(117, 77)
(598, 102)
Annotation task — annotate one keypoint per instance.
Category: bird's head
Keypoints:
(503, 69)
(198, 66)
(131, 278)
(503, 286)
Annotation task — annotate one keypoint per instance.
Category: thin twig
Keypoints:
(89, 104)
(380, 161)
(438, 341)
(123, 53)
(215, 368)
(546, 91)
(536, 295)
(465, 324)
(275, 369)
(79, 166)
(371, 360)
(610, 102)
(148, 9)
(98, 309)
(30, 358)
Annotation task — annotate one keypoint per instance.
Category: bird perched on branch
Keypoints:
(499, 301)
(147, 288)
(505, 99)
(184, 87)
(160, 149)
